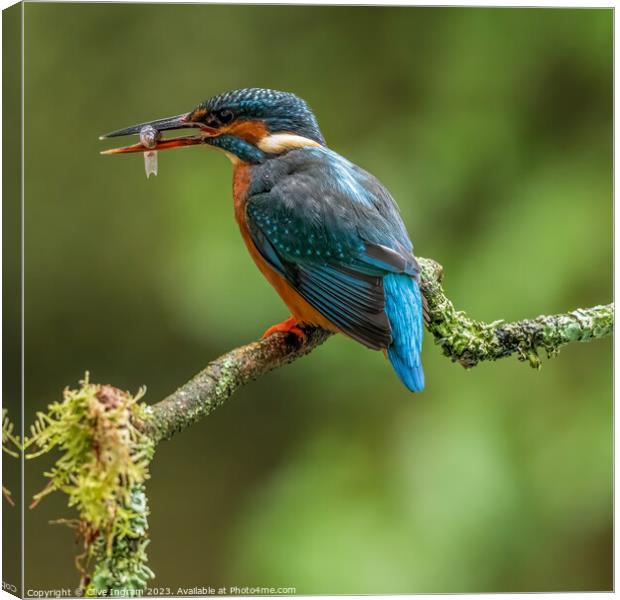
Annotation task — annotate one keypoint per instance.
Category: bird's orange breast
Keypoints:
(300, 309)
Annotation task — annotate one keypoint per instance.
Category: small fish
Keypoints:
(150, 163)
(149, 136)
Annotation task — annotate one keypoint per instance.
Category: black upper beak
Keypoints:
(178, 122)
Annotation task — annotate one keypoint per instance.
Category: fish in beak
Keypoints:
(151, 140)
(167, 124)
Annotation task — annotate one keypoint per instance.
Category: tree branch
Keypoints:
(462, 339)
(469, 342)
(202, 394)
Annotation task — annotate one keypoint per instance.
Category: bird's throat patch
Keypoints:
(281, 142)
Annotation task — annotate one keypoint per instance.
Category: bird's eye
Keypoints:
(225, 116)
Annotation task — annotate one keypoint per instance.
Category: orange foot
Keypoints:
(288, 326)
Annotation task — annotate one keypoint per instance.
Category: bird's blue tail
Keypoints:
(403, 306)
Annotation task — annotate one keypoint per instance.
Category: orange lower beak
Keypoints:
(177, 142)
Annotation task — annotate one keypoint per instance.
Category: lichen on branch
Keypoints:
(210, 388)
(107, 438)
(469, 342)
(124, 571)
(103, 464)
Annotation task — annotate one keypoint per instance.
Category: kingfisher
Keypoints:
(325, 233)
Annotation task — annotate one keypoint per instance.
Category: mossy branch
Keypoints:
(107, 438)
(469, 342)
(103, 465)
(461, 338)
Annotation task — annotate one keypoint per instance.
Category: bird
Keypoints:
(325, 233)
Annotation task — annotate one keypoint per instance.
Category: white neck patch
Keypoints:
(279, 142)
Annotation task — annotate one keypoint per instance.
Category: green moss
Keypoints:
(103, 463)
(11, 445)
(469, 342)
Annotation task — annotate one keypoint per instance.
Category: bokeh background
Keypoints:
(493, 130)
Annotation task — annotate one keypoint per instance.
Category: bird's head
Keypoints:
(248, 124)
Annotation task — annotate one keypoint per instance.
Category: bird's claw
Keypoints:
(288, 326)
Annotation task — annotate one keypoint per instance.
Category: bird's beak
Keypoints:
(179, 122)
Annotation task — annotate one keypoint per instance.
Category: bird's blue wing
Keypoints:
(333, 232)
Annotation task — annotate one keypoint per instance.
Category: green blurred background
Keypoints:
(493, 130)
